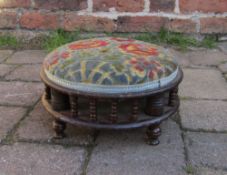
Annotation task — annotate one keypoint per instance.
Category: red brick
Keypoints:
(61, 5)
(15, 3)
(216, 6)
(73, 22)
(162, 5)
(140, 23)
(213, 25)
(181, 25)
(8, 19)
(37, 20)
(119, 5)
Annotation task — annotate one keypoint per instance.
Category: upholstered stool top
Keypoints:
(110, 65)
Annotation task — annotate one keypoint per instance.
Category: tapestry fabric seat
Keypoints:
(110, 65)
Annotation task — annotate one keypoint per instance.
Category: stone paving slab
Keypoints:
(27, 57)
(223, 67)
(4, 54)
(181, 58)
(38, 127)
(225, 76)
(126, 153)
(25, 72)
(24, 159)
(211, 57)
(205, 115)
(20, 93)
(223, 47)
(203, 83)
(209, 171)
(5, 69)
(9, 116)
(207, 149)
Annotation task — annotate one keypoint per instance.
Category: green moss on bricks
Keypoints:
(59, 38)
(8, 42)
(179, 40)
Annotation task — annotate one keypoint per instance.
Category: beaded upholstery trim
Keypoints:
(113, 89)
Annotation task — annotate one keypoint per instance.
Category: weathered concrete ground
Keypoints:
(193, 142)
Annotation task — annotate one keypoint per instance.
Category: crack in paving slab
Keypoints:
(9, 137)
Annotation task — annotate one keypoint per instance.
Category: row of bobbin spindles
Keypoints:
(154, 105)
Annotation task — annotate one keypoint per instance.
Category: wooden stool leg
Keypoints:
(155, 108)
(173, 96)
(153, 132)
(59, 128)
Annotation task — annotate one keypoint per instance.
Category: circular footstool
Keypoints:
(111, 83)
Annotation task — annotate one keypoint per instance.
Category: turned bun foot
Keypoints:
(59, 128)
(153, 133)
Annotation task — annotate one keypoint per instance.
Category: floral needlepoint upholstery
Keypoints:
(110, 65)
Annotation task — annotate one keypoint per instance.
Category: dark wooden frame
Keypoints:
(62, 103)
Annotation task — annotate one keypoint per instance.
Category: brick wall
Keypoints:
(188, 16)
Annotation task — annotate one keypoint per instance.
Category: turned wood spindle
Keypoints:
(59, 101)
(47, 92)
(113, 115)
(74, 106)
(93, 109)
(155, 105)
(135, 110)
(173, 96)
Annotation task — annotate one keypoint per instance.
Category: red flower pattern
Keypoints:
(87, 44)
(139, 49)
(140, 64)
(65, 55)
